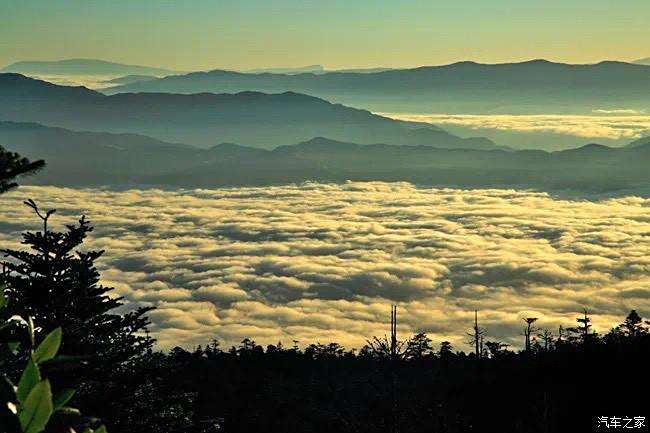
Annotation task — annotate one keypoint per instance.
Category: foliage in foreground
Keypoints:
(30, 405)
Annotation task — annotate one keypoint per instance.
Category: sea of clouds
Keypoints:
(324, 262)
(616, 124)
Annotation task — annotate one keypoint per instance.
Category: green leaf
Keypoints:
(63, 397)
(48, 347)
(30, 377)
(30, 329)
(3, 298)
(37, 409)
(65, 410)
(101, 429)
(13, 345)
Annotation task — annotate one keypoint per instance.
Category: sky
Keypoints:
(240, 34)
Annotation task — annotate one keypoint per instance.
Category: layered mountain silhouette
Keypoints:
(78, 158)
(128, 79)
(640, 142)
(645, 61)
(315, 69)
(247, 118)
(91, 158)
(537, 86)
(82, 67)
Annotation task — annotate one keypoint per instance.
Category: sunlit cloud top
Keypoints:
(608, 123)
(324, 262)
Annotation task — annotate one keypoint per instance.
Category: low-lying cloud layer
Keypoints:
(323, 262)
(89, 81)
(611, 124)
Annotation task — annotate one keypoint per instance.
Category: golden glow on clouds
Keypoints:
(89, 81)
(323, 262)
(609, 123)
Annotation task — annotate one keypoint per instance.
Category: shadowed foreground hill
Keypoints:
(537, 86)
(248, 118)
(91, 158)
(95, 158)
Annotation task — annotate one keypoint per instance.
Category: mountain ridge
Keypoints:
(82, 66)
(462, 87)
(250, 117)
(77, 158)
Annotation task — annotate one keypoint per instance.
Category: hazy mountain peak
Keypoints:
(588, 150)
(81, 67)
(128, 79)
(323, 142)
(595, 147)
(288, 70)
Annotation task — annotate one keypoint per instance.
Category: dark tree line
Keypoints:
(561, 382)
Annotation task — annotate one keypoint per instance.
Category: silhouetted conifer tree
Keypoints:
(13, 165)
(58, 285)
(582, 332)
(630, 330)
(633, 327)
(446, 350)
(418, 347)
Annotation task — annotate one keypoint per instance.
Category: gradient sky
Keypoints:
(204, 34)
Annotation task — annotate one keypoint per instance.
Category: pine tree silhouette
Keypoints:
(583, 332)
(13, 165)
(58, 285)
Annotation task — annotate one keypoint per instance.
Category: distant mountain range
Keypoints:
(645, 61)
(82, 67)
(537, 86)
(128, 79)
(313, 69)
(91, 158)
(248, 118)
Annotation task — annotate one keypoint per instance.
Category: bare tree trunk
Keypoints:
(393, 365)
(476, 335)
